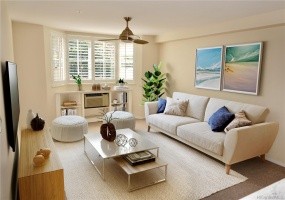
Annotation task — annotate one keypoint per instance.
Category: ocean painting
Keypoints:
(242, 68)
(208, 68)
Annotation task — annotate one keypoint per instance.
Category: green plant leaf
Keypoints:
(149, 83)
(157, 73)
(157, 92)
(148, 74)
(159, 65)
(155, 67)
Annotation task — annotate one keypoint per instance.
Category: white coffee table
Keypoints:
(108, 150)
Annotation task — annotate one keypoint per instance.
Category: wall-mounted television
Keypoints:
(11, 100)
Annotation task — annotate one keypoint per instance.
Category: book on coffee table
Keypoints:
(139, 158)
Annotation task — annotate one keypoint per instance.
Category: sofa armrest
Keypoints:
(249, 141)
(149, 109)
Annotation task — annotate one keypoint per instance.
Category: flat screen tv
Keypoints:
(11, 100)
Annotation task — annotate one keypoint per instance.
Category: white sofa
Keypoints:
(236, 145)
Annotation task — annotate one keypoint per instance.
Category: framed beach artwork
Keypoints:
(242, 68)
(208, 68)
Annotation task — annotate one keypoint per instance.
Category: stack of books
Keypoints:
(139, 158)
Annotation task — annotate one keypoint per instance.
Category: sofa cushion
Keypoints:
(175, 107)
(169, 123)
(201, 134)
(196, 106)
(220, 119)
(161, 105)
(256, 114)
(240, 120)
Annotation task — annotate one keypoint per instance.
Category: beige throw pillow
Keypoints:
(175, 107)
(239, 121)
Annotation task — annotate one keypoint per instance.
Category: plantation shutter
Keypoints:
(126, 65)
(104, 60)
(58, 57)
(79, 56)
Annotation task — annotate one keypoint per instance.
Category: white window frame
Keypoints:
(118, 68)
(63, 80)
(67, 80)
(115, 67)
(70, 37)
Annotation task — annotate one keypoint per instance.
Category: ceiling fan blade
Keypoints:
(107, 39)
(134, 37)
(140, 41)
(127, 35)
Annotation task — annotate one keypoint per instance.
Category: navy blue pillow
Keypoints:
(161, 105)
(220, 119)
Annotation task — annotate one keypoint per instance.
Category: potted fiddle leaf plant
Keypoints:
(153, 84)
(78, 81)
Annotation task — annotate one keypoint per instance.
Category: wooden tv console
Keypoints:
(46, 181)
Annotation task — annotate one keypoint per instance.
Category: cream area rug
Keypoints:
(190, 174)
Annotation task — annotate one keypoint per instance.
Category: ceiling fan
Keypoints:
(128, 36)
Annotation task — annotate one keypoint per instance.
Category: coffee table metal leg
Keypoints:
(102, 174)
(152, 183)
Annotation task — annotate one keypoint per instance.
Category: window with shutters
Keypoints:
(126, 65)
(104, 60)
(79, 58)
(94, 60)
(58, 57)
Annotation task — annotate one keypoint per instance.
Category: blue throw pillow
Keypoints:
(220, 119)
(161, 105)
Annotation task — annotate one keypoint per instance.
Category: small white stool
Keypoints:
(69, 128)
(123, 120)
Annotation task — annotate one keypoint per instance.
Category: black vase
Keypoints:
(108, 132)
(37, 123)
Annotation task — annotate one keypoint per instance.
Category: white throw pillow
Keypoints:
(175, 107)
(239, 121)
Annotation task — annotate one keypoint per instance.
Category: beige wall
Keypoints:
(8, 159)
(179, 59)
(30, 58)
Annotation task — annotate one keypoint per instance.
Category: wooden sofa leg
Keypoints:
(228, 168)
(148, 128)
(262, 157)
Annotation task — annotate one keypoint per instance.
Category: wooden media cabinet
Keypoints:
(45, 182)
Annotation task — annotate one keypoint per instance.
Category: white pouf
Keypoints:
(123, 120)
(69, 128)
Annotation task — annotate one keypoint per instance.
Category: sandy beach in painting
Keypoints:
(208, 80)
(241, 76)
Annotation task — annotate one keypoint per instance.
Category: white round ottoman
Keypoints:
(123, 119)
(69, 128)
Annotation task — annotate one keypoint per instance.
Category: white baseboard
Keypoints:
(275, 162)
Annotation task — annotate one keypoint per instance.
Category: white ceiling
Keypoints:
(149, 17)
